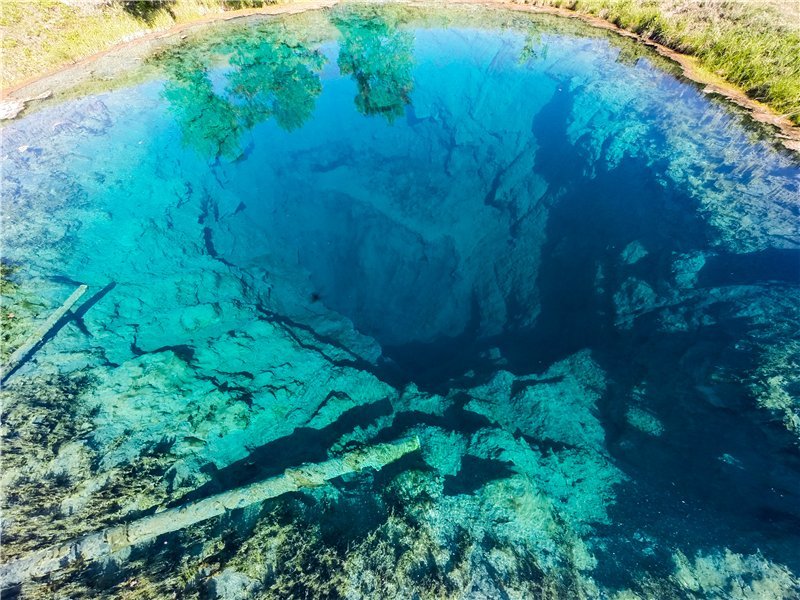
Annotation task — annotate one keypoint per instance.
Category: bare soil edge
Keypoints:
(13, 99)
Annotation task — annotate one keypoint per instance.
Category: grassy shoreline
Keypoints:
(41, 35)
(752, 47)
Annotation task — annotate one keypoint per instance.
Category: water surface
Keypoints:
(533, 245)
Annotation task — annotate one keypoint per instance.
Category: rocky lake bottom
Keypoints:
(573, 276)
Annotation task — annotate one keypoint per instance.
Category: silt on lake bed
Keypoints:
(529, 243)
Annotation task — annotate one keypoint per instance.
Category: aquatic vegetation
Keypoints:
(42, 458)
(18, 311)
(118, 538)
(571, 275)
(730, 575)
(775, 381)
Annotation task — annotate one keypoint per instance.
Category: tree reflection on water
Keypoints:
(263, 73)
(379, 56)
(219, 90)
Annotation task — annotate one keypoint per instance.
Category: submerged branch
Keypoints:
(103, 543)
(38, 337)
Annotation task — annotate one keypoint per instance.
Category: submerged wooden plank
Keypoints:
(30, 345)
(102, 543)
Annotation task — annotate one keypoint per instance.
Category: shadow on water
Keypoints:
(454, 418)
(769, 265)
(435, 366)
(476, 472)
(305, 444)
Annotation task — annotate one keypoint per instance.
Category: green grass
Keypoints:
(40, 35)
(752, 45)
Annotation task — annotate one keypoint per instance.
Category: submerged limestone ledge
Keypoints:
(514, 486)
(516, 466)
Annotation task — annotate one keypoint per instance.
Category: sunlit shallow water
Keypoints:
(571, 274)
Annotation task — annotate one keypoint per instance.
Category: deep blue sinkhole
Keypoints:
(432, 206)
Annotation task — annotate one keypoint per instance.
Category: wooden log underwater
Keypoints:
(37, 338)
(107, 541)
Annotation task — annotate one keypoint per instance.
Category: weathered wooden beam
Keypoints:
(109, 540)
(30, 345)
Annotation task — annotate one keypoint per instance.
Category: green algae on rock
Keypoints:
(100, 544)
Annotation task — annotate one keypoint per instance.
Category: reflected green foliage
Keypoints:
(533, 48)
(272, 75)
(379, 56)
(273, 72)
(208, 122)
(276, 79)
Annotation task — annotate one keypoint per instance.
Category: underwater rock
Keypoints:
(73, 461)
(546, 476)
(198, 317)
(633, 297)
(557, 406)
(633, 253)
(239, 391)
(725, 574)
(644, 421)
(775, 381)
(232, 585)
(686, 269)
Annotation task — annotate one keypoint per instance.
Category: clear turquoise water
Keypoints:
(569, 272)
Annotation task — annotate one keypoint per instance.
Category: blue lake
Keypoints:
(531, 244)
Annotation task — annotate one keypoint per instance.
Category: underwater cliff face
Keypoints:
(572, 275)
